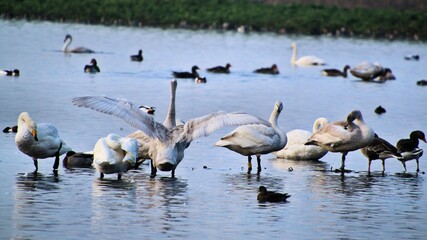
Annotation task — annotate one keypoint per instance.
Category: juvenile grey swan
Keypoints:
(67, 41)
(256, 139)
(344, 136)
(167, 145)
(39, 140)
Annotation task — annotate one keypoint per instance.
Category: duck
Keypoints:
(422, 83)
(268, 70)
(305, 60)
(39, 141)
(269, 196)
(380, 110)
(415, 57)
(200, 80)
(93, 68)
(14, 72)
(78, 159)
(331, 72)
(166, 146)
(256, 139)
(67, 41)
(148, 109)
(408, 148)
(193, 74)
(344, 136)
(379, 149)
(220, 69)
(296, 149)
(13, 129)
(138, 57)
(114, 154)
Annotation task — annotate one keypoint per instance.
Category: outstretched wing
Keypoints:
(205, 125)
(125, 110)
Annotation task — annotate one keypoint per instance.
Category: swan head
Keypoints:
(24, 118)
(355, 114)
(293, 45)
(68, 37)
(278, 106)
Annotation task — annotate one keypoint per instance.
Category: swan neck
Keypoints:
(273, 118)
(66, 44)
(170, 120)
(294, 54)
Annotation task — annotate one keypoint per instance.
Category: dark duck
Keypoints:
(220, 69)
(193, 74)
(268, 70)
(93, 67)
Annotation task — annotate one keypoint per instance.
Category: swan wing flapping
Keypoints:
(125, 110)
(205, 125)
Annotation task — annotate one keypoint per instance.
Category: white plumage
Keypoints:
(305, 60)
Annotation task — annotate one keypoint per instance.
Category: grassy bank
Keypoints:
(228, 14)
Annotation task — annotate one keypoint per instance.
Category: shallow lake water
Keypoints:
(211, 197)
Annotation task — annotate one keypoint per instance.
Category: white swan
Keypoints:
(305, 60)
(114, 154)
(67, 41)
(166, 148)
(344, 136)
(256, 139)
(39, 140)
(296, 149)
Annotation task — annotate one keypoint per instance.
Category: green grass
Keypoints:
(292, 18)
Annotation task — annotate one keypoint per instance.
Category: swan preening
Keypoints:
(409, 150)
(166, 145)
(39, 140)
(296, 149)
(379, 149)
(305, 60)
(256, 139)
(344, 136)
(115, 154)
(369, 72)
(67, 41)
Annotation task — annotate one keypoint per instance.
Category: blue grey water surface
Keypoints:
(211, 197)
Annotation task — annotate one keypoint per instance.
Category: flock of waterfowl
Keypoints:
(164, 143)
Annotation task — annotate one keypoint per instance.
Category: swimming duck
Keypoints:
(220, 69)
(270, 196)
(115, 154)
(305, 60)
(13, 129)
(422, 83)
(296, 149)
(256, 139)
(380, 110)
(39, 140)
(147, 109)
(200, 80)
(335, 72)
(379, 149)
(93, 68)
(166, 145)
(408, 148)
(14, 72)
(415, 57)
(268, 70)
(67, 41)
(344, 136)
(77, 160)
(138, 57)
(193, 74)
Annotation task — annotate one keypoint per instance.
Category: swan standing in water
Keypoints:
(408, 148)
(256, 139)
(39, 140)
(67, 41)
(296, 149)
(344, 136)
(114, 154)
(305, 60)
(166, 146)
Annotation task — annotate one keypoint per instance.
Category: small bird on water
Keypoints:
(270, 196)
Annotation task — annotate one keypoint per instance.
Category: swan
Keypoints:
(344, 136)
(256, 139)
(93, 68)
(220, 69)
(296, 149)
(369, 72)
(305, 60)
(193, 74)
(379, 149)
(268, 70)
(114, 154)
(138, 57)
(78, 160)
(39, 140)
(166, 146)
(271, 196)
(67, 41)
(408, 148)
(335, 72)
(14, 72)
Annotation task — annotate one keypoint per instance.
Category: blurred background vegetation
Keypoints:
(361, 18)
